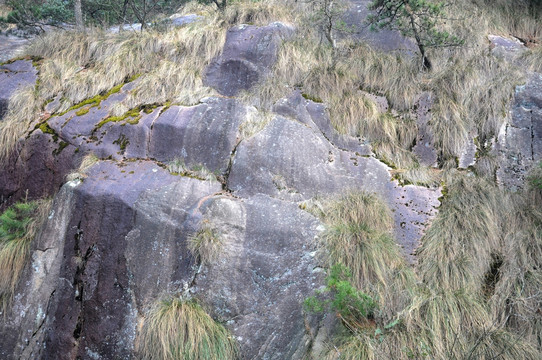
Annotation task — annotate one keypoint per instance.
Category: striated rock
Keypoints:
(15, 76)
(118, 241)
(290, 161)
(519, 144)
(424, 149)
(248, 55)
(387, 40)
(314, 115)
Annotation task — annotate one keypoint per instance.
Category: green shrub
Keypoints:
(352, 306)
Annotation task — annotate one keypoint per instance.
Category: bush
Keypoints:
(353, 307)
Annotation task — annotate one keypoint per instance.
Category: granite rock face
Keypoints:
(14, 76)
(117, 238)
(387, 40)
(247, 57)
(519, 144)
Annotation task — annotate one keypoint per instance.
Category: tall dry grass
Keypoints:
(476, 289)
(179, 329)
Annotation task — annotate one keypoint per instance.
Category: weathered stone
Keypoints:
(248, 55)
(387, 40)
(519, 144)
(203, 134)
(467, 157)
(37, 170)
(11, 46)
(424, 149)
(290, 160)
(14, 76)
(265, 271)
(181, 20)
(508, 48)
(117, 241)
(314, 115)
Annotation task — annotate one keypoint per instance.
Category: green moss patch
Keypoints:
(95, 100)
(46, 129)
(82, 112)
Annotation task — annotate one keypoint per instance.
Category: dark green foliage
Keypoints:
(36, 13)
(15, 220)
(354, 307)
(535, 178)
(418, 19)
(220, 4)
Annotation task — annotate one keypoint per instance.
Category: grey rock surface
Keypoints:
(181, 20)
(508, 48)
(519, 143)
(266, 267)
(386, 40)
(14, 76)
(117, 241)
(424, 149)
(291, 161)
(11, 46)
(247, 57)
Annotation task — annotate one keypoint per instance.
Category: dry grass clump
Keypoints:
(179, 329)
(19, 224)
(86, 163)
(205, 244)
(476, 292)
(471, 96)
(358, 235)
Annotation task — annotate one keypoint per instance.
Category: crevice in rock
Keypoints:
(225, 186)
(532, 138)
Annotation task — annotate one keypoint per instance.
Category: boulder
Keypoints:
(247, 57)
(14, 76)
(386, 40)
(519, 143)
(117, 241)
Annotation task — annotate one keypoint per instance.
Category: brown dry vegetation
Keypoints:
(475, 291)
(181, 329)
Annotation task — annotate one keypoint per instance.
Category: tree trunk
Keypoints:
(78, 15)
(426, 64)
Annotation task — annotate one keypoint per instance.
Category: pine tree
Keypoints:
(418, 19)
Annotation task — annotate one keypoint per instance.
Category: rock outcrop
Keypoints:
(14, 76)
(519, 143)
(117, 237)
(247, 57)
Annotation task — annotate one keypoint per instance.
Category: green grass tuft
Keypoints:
(18, 227)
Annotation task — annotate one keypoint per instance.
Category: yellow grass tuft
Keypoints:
(179, 329)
